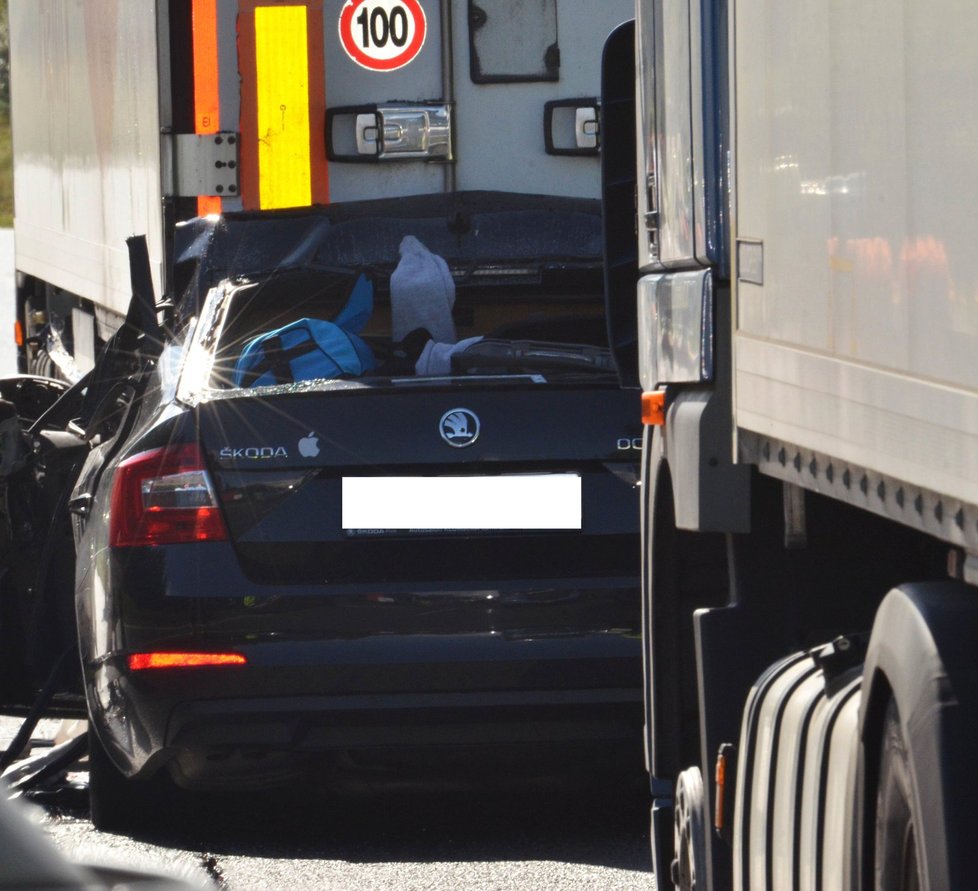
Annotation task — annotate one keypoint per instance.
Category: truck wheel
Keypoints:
(689, 839)
(118, 804)
(897, 863)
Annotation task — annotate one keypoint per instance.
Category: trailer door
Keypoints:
(388, 98)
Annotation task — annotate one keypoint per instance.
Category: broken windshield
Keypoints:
(510, 287)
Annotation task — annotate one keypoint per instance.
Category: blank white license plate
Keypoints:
(424, 503)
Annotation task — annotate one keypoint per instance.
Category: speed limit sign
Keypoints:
(382, 35)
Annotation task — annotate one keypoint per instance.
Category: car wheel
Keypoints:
(897, 861)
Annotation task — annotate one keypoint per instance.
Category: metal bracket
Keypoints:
(394, 132)
(970, 569)
(201, 165)
(934, 513)
(795, 521)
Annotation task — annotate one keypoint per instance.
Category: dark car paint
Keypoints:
(526, 628)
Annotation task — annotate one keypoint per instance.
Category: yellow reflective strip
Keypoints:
(282, 68)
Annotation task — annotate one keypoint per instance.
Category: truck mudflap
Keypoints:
(794, 809)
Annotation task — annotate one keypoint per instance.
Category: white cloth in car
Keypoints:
(422, 294)
(436, 358)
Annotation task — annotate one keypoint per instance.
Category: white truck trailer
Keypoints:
(808, 351)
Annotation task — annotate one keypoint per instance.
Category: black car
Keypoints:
(280, 572)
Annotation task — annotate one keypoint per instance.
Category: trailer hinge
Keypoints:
(200, 164)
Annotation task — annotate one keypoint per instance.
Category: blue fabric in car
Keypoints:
(311, 348)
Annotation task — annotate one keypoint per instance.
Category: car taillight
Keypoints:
(164, 496)
(143, 661)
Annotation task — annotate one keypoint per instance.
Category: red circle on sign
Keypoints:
(357, 53)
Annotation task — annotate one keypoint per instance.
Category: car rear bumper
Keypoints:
(296, 705)
(231, 743)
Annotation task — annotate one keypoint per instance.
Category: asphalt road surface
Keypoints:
(397, 836)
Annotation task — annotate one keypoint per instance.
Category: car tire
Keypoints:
(14, 686)
(118, 804)
(897, 858)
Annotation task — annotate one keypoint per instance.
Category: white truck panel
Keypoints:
(859, 338)
(505, 121)
(88, 158)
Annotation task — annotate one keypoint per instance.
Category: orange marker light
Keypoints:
(18, 333)
(141, 661)
(721, 781)
(654, 408)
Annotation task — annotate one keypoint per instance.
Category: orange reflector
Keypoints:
(654, 408)
(208, 205)
(207, 111)
(18, 333)
(206, 90)
(721, 778)
(140, 661)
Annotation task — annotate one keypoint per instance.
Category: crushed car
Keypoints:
(367, 491)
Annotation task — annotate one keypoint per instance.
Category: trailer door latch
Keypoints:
(572, 126)
(394, 132)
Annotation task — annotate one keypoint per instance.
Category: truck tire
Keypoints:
(920, 690)
(897, 862)
(689, 842)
